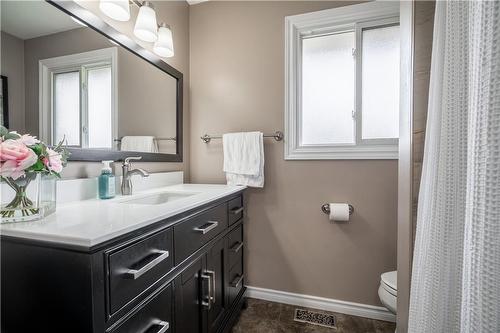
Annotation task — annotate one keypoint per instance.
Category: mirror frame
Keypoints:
(99, 25)
(5, 100)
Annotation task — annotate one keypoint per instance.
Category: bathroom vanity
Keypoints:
(168, 259)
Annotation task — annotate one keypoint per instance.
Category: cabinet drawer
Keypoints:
(137, 266)
(235, 246)
(190, 235)
(235, 280)
(155, 316)
(235, 208)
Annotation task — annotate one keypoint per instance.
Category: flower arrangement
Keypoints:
(22, 158)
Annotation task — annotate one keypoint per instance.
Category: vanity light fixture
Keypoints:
(164, 46)
(116, 9)
(145, 25)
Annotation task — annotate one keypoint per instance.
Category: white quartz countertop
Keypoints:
(88, 223)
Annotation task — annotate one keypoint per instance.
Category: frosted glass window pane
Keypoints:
(328, 89)
(380, 83)
(67, 108)
(99, 107)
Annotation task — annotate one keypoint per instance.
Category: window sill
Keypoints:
(372, 152)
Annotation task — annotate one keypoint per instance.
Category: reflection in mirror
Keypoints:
(68, 81)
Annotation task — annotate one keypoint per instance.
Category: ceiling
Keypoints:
(30, 19)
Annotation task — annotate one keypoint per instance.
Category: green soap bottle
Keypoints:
(106, 181)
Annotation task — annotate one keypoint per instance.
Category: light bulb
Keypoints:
(116, 9)
(145, 26)
(164, 46)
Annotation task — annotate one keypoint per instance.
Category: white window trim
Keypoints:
(325, 20)
(46, 68)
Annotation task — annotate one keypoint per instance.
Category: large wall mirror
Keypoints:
(73, 76)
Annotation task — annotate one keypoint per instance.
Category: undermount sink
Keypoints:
(157, 198)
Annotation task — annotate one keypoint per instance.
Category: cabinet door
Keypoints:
(188, 292)
(216, 273)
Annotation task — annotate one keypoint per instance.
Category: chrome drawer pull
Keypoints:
(164, 326)
(237, 281)
(207, 227)
(210, 299)
(236, 247)
(211, 295)
(236, 210)
(136, 273)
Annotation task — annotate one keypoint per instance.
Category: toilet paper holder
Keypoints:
(326, 209)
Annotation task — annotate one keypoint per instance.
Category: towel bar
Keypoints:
(278, 136)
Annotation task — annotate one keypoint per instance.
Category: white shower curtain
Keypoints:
(456, 267)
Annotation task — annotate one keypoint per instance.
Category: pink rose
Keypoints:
(28, 140)
(15, 157)
(54, 161)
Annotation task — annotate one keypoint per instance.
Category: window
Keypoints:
(342, 83)
(380, 83)
(327, 89)
(66, 108)
(99, 115)
(78, 93)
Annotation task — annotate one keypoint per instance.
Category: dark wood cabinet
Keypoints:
(188, 299)
(184, 274)
(217, 296)
(199, 230)
(155, 316)
(133, 266)
(235, 207)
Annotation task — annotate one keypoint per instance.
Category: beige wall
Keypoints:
(424, 25)
(12, 66)
(176, 14)
(237, 83)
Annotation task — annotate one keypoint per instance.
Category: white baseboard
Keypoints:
(321, 303)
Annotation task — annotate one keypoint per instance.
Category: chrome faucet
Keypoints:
(127, 174)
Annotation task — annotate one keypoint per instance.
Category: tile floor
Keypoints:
(269, 317)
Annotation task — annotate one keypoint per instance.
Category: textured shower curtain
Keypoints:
(456, 266)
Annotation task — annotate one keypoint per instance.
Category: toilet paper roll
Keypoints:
(339, 212)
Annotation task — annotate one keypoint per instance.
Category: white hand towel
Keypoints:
(244, 158)
(145, 144)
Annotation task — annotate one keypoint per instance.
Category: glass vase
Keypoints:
(28, 198)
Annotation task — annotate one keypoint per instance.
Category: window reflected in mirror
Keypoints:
(82, 88)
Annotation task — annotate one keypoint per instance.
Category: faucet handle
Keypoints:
(131, 158)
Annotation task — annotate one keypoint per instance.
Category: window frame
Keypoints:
(81, 63)
(355, 18)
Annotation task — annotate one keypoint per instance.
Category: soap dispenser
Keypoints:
(106, 181)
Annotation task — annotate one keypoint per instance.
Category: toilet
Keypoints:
(388, 290)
